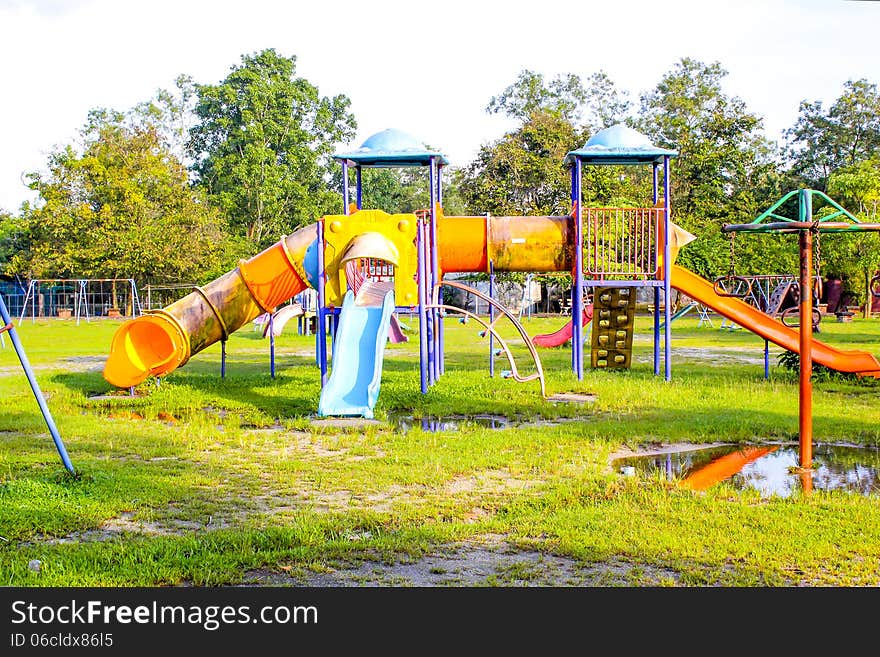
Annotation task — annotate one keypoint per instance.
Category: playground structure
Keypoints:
(807, 227)
(367, 265)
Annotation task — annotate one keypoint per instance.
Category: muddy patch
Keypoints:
(471, 564)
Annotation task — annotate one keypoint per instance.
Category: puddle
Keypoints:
(448, 423)
(771, 469)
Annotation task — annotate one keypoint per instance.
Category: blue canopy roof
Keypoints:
(619, 144)
(392, 148)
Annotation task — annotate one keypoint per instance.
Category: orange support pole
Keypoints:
(806, 338)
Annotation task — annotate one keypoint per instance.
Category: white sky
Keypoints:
(428, 68)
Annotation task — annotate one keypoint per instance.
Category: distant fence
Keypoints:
(159, 296)
(77, 298)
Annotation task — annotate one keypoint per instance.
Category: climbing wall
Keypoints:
(614, 309)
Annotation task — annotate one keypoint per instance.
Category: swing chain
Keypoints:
(732, 265)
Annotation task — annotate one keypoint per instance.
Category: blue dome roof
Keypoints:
(619, 144)
(392, 148)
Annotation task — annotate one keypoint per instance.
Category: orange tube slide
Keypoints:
(160, 342)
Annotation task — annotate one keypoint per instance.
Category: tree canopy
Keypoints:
(262, 143)
(120, 208)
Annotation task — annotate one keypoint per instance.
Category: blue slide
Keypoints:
(358, 350)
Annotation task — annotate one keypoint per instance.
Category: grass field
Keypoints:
(204, 481)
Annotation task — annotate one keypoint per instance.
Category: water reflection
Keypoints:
(771, 469)
(450, 423)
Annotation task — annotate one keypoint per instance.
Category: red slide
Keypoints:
(563, 335)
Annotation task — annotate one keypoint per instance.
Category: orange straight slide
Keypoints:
(699, 289)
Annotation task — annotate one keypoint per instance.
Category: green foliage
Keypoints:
(847, 133)
(791, 362)
(120, 208)
(262, 146)
(12, 238)
(523, 172)
(724, 172)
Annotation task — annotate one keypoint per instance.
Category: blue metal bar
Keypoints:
(654, 185)
(35, 388)
(271, 347)
(437, 327)
(344, 187)
(656, 331)
(491, 319)
(577, 335)
(222, 359)
(423, 320)
(321, 311)
(654, 197)
(360, 195)
(667, 275)
(766, 359)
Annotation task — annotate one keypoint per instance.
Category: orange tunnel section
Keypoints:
(157, 343)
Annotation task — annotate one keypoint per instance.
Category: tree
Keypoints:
(821, 142)
(262, 145)
(122, 208)
(597, 105)
(725, 171)
(856, 257)
(523, 172)
(171, 113)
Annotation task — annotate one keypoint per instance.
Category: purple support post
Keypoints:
(321, 311)
(344, 187)
(437, 328)
(656, 289)
(271, 347)
(359, 191)
(667, 275)
(767, 359)
(491, 319)
(577, 296)
(423, 320)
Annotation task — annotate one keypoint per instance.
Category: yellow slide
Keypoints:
(699, 289)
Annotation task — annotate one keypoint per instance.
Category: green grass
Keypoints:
(203, 480)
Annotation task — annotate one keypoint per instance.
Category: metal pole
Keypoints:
(35, 388)
(344, 187)
(223, 359)
(436, 320)
(667, 275)
(491, 319)
(320, 311)
(654, 197)
(359, 191)
(423, 320)
(806, 360)
(271, 347)
(767, 359)
(656, 331)
(577, 341)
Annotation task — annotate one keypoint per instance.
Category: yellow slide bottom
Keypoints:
(749, 317)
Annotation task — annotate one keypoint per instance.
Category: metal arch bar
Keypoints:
(523, 334)
(539, 375)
